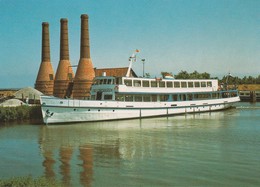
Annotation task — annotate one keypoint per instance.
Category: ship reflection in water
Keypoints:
(70, 151)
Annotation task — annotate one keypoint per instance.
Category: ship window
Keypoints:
(162, 84)
(137, 83)
(154, 98)
(190, 97)
(146, 84)
(183, 97)
(112, 81)
(101, 81)
(129, 98)
(109, 81)
(97, 81)
(105, 81)
(119, 98)
(197, 84)
(153, 83)
(169, 84)
(118, 80)
(190, 84)
(175, 97)
(108, 97)
(203, 96)
(209, 84)
(99, 95)
(203, 84)
(184, 84)
(128, 82)
(214, 95)
(164, 97)
(146, 98)
(138, 98)
(176, 84)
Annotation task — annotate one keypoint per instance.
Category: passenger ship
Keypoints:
(116, 98)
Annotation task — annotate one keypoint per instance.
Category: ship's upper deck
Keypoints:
(155, 85)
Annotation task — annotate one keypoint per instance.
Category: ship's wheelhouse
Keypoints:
(103, 88)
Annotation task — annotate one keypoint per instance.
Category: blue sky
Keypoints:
(214, 36)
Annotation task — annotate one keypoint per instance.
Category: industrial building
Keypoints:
(64, 83)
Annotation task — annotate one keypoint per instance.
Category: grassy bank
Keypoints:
(20, 113)
(28, 182)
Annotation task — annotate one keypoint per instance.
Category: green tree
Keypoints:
(182, 75)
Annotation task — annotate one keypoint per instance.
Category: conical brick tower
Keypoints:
(64, 74)
(85, 71)
(45, 78)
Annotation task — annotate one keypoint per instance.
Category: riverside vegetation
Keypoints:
(29, 181)
(20, 113)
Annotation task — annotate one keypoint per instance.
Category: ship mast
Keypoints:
(131, 60)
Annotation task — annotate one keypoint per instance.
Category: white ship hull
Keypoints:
(55, 110)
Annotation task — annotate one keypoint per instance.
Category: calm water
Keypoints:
(209, 149)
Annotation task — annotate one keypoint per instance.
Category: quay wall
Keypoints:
(249, 92)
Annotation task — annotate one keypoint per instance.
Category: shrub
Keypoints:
(28, 182)
(20, 113)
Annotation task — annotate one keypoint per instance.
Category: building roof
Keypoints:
(12, 103)
(29, 92)
(116, 72)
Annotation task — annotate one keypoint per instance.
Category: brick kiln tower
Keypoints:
(64, 74)
(85, 71)
(45, 78)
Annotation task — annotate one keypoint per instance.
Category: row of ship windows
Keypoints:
(168, 84)
(172, 97)
(156, 83)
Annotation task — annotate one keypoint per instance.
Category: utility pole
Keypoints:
(143, 60)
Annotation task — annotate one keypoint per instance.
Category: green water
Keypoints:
(208, 149)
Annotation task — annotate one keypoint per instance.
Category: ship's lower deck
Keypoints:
(56, 110)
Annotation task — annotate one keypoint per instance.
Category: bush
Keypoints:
(20, 113)
(28, 182)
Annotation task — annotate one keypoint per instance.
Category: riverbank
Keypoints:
(20, 113)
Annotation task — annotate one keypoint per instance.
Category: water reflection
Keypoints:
(72, 153)
(69, 149)
(65, 157)
(86, 155)
(48, 164)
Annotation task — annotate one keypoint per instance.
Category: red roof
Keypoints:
(115, 72)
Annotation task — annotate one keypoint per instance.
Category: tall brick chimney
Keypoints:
(85, 71)
(64, 74)
(45, 78)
